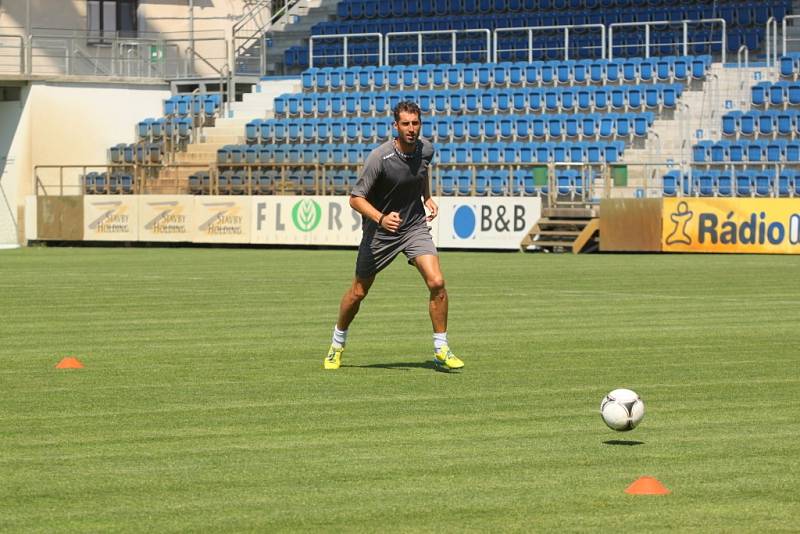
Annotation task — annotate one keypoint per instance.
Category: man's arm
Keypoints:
(389, 221)
(426, 187)
(433, 208)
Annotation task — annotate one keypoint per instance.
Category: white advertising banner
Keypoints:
(308, 220)
(305, 220)
(166, 217)
(463, 222)
(110, 218)
(486, 223)
(221, 219)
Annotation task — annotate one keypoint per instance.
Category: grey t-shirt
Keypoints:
(392, 182)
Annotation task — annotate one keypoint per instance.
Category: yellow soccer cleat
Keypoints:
(334, 358)
(444, 360)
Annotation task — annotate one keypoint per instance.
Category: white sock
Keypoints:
(339, 336)
(439, 340)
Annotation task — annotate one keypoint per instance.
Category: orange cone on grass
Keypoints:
(69, 362)
(647, 486)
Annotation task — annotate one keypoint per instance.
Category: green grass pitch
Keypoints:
(203, 405)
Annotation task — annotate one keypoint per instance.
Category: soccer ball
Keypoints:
(622, 409)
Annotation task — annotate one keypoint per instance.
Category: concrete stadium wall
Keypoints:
(154, 15)
(64, 124)
(167, 19)
(14, 155)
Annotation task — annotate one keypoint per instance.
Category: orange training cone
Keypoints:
(647, 486)
(69, 363)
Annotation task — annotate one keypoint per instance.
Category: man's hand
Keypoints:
(391, 221)
(433, 208)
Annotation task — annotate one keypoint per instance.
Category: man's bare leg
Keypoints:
(428, 267)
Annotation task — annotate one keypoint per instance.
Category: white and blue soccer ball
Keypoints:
(622, 409)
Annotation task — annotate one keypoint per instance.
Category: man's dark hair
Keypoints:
(407, 106)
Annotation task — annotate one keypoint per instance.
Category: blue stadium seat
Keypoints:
(793, 93)
(701, 152)
(447, 183)
(731, 122)
(482, 182)
(778, 93)
(758, 94)
(745, 183)
(785, 182)
(789, 65)
(763, 183)
(725, 183)
(464, 182)
(720, 151)
(671, 183)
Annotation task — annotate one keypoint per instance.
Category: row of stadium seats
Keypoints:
(452, 128)
(155, 130)
(502, 182)
(735, 14)
(780, 94)
(761, 123)
(733, 183)
(741, 12)
(507, 74)
(477, 153)
(115, 183)
(143, 152)
(755, 151)
(207, 104)
(462, 182)
(453, 102)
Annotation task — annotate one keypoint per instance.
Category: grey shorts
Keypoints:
(377, 250)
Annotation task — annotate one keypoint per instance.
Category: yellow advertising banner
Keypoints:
(165, 217)
(734, 225)
(110, 218)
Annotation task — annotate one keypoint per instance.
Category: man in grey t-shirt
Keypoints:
(389, 196)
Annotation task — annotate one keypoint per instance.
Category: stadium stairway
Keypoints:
(564, 228)
(570, 226)
(698, 116)
(227, 131)
(295, 29)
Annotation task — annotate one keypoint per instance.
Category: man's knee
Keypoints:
(359, 291)
(435, 284)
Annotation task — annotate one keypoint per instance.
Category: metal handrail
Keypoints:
(596, 177)
(683, 23)
(453, 41)
(775, 168)
(785, 38)
(742, 52)
(345, 37)
(565, 28)
(126, 57)
(248, 17)
(771, 31)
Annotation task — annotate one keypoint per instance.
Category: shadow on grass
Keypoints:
(625, 442)
(399, 366)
